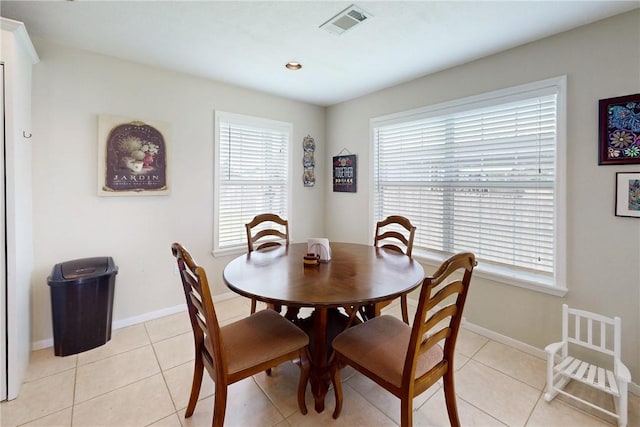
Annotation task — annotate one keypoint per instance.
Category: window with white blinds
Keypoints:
(252, 175)
(478, 175)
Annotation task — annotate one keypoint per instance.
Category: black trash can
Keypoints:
(82, 303)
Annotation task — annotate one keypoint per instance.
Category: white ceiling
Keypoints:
(248, 43)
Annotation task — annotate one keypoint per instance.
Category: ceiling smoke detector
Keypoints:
(346, 20)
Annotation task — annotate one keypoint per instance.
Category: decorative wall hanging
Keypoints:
(132, 157)
(619, 134)
(628, 194)
(308, 162)
(344, 173)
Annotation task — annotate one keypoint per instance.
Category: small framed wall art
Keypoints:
(628, 194)
(344, 173)
(132, 157)
(619, 130)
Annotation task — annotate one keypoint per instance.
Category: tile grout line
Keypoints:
(526, 422)
(508, 375)
(263, 391)
(372, 403)
(73, 396)
(164, 379)
(482, 410)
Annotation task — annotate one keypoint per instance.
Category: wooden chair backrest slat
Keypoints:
(439, 316)
(434, 339)
(276, 227)
(395, 235)
(195, 300)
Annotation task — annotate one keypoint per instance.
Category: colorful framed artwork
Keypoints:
(344, 173)
(132, 157)
(619, 130)
(628, 194)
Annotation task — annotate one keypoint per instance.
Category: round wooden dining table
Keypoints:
(357, 275)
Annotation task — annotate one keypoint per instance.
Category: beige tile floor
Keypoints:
(142, 377)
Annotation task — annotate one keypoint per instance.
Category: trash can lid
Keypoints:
(82, 270)
(78, 268)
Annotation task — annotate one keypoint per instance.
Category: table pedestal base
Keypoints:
(322, 326)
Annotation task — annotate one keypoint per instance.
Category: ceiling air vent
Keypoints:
(345, 20)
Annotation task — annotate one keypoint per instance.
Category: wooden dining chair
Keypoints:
(407, 360)
(238, 350)
(263, 232)
(396, 233)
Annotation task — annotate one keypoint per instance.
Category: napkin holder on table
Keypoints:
(319, 246)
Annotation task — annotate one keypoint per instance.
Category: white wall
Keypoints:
(71, 88)
(601, 61)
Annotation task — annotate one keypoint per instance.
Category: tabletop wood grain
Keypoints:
(355, 275)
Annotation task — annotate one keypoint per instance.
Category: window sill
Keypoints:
(501, 275)
(236, 250)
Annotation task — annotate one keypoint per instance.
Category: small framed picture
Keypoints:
(619, 136)
(344, 173)
(628, 194)
(132, 157)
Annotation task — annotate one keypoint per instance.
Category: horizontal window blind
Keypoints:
(253, 175)
(475, 179)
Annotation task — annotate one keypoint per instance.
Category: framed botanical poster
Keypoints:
(132, 157)
(628, 194)
(619, 125)
(344, 173)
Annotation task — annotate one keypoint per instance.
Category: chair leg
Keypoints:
(367, 312)
(622, 403)
(553, 384)
(219, 406)
(406, 411)
(337, 385)
(253, 305)
(292, 313)
(450, 398)
(405, 309)
(195, 387)
(549, 395)
(275, 307)
(305, 369)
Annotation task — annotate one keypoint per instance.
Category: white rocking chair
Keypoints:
(570, 368)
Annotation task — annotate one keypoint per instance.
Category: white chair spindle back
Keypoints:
(587, 339)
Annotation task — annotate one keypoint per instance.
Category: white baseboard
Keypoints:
(503, 339)
(130, 321)
(39, 345)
